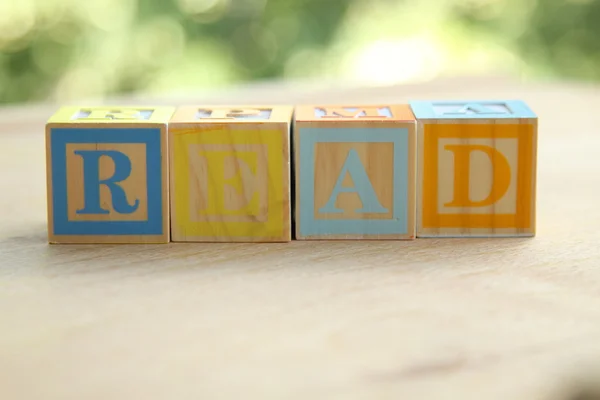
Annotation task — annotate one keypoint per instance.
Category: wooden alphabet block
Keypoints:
(477, 168)
(355, 172)
(230, 177)
(107, 175)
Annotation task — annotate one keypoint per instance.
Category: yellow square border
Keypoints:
(277, 228)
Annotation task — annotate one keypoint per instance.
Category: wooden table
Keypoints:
(428, 319)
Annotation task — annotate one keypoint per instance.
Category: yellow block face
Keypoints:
(230, 182)
(478, 179)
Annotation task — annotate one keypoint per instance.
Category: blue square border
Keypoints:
(309, 137)
(151, 137)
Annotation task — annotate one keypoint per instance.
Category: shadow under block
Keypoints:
(230, 174)
(107, 175)
(477, 168)
(355, 172)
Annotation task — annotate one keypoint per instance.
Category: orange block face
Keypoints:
(477, 177)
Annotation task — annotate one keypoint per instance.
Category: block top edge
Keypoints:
(353, 112)
(238, 114)
(112, 115)
(471, 109)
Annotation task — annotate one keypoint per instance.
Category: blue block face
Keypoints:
(365, 189)
(489, 109)
(107, 181)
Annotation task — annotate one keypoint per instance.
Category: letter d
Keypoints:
(462, 169)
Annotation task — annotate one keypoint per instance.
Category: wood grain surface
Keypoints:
(425, 319)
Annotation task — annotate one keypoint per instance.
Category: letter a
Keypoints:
(92, 182)
(362, 187)
(462, 168)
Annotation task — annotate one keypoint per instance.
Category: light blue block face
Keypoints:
(374, 214)
(475, 109)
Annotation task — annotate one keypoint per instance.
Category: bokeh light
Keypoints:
(64, 50)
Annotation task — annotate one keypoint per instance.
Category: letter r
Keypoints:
(92, 182)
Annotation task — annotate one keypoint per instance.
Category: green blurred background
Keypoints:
(68, 49)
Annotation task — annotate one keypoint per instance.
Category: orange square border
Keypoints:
(432, 219)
